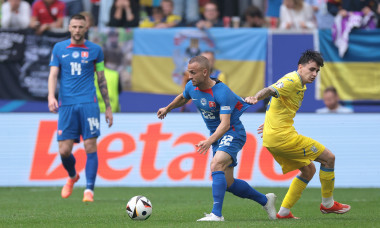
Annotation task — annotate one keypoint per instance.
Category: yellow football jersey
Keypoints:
(278, 126)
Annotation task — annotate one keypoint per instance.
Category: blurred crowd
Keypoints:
(42, 15)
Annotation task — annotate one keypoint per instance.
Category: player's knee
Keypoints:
(90, 146)
(331, 158)
(217, 166)
(308, 172)
(64, 152)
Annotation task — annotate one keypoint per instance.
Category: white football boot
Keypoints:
(212, 218)
(270, 207)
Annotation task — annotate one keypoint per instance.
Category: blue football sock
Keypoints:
(242, 189)
(219, 185)
(91, 170)
(69, 164)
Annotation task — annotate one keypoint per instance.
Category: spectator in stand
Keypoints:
(324, 19)
(210, 17)
(187, 9)
(296, 14)
(95, 6)
(253, 18)
(215, 74)
(171, 19)
(273, 12)
(104, 13)
(46, 15)
(331, 100)
(344, 7)
(350, 14)
(157, 18)
(73, 7)
(124, 13)
(15, 14)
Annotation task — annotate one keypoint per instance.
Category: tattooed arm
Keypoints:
(104, 91)
(262, 94)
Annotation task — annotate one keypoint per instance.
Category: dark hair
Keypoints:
(311, 55)
(331, 89)
(157, 9)
(78, 17)
(202, 61)
(253, 11)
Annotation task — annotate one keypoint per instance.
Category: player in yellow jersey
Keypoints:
(291, 150)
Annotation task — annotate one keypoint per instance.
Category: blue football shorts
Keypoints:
(231, 142)
(78, 119)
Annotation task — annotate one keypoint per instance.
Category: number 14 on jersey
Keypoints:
(76, 68)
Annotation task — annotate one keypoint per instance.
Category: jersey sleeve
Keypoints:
(226, 100)
(283, 87)
(186, 91)
(54, 60)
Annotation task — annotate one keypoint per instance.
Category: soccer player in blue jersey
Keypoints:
(220, 109)
(290, 149)
(75, 61)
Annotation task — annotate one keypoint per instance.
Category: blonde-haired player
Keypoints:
(291, 150)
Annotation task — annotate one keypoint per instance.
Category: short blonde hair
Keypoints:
(202, 61)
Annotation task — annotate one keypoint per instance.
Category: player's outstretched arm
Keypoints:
(52, 84)
(102, 82)
(262, 94)
(225, 121)
(179, 101)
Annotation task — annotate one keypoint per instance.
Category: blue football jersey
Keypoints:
(77, 66)
(215, 101)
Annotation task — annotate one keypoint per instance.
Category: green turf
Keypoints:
(176, 207)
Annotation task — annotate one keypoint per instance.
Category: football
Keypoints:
(139, 208)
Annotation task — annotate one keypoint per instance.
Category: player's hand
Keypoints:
(53, 104)
(260, 130)
(251, 100)
(109, 116)
(161, 114)
(203, 146)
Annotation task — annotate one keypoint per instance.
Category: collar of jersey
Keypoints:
(77, 45)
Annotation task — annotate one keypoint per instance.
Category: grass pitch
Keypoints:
(176, 207)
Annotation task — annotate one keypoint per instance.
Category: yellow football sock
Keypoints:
(327, 178)
(295, 191)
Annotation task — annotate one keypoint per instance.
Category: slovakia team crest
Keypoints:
(212, 104)
(84, 54)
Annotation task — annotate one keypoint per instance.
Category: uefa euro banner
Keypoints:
(356, 75)
(160, 57)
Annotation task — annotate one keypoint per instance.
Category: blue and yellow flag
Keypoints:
(160, 57)
(355, 76)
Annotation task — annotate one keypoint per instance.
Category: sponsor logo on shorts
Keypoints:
(314, 149)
